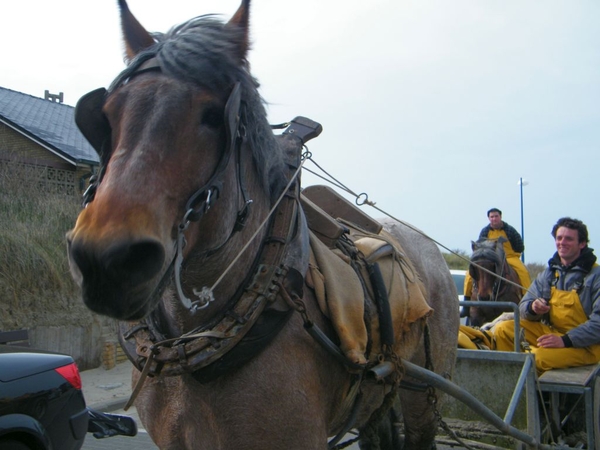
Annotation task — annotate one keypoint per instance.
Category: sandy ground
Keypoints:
(107, 390)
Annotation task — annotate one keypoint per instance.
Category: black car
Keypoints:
(42, 406)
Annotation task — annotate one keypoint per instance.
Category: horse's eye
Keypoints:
(212, 117)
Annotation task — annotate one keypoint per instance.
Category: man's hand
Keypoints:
(540, 306)
(550, 341)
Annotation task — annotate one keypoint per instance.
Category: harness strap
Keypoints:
(201, 350)
(386, 327)
(201, 201)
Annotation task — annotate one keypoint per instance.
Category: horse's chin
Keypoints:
(121, 304)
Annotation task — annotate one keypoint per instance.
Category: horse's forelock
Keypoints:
(486, 253)
(205, 51)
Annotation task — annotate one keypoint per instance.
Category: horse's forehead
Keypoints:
(159, 90)
(484, 253)
(157, 105)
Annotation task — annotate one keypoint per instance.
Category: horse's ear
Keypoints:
(473, 246)
(241, 21)
(135, 36)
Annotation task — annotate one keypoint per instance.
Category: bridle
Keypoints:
(499, 273)
(95, 127)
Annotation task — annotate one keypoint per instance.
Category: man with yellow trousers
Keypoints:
(560, 314)
(513, 247)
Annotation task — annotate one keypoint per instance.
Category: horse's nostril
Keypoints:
(140, 260)
(126, 263)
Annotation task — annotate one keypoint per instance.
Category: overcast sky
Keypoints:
(434, 108)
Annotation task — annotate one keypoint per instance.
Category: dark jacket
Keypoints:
(513, 236)
(582, 275)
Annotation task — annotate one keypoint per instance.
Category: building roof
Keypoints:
(50, 124)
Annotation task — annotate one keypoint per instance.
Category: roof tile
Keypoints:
(47, 121)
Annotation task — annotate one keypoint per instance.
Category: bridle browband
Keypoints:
(95, 127)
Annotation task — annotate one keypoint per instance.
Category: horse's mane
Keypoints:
(205, 51)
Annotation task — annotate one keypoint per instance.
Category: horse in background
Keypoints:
(489, 254)
(172, 244)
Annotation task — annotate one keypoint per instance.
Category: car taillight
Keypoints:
(71, 374)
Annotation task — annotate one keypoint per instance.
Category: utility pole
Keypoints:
(522, 183)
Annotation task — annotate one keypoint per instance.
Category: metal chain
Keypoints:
(432, 399)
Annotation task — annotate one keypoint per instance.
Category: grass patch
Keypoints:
(34, 271)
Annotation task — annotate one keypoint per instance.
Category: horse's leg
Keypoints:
(420, 421)
(419, 414)
(387, 434)
(476, 318)
(475, 314)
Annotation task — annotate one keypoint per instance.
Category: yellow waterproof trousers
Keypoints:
(517, 264)
(566, 313)
(474, 339)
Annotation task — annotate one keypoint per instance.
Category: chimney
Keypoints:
(56, 98)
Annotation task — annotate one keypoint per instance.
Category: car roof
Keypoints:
(458, 272)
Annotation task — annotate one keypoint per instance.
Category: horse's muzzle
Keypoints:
(117, 280)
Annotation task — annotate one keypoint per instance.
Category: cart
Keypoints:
(496, 400)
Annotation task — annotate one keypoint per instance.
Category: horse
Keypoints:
(489, 270)
(213, 305)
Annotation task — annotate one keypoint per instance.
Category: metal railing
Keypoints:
(488, 304)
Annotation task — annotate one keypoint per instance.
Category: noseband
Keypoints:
(94, 125)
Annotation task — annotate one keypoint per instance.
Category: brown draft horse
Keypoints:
(489, 254)
(190, 171)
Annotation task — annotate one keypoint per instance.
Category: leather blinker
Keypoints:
(91, 121)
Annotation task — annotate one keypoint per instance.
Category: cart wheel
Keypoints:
(596, 409)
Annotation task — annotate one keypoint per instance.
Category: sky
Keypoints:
(434, 108)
